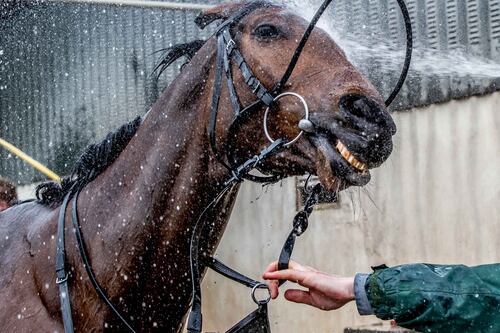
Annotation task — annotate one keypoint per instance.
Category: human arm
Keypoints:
(437, 298)
(427, 298)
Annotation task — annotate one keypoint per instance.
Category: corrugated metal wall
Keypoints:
(70, 73)
(446, 32)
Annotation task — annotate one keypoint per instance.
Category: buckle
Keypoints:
(59, 281)
(230, 46)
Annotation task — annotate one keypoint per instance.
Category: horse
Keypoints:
(146, 184)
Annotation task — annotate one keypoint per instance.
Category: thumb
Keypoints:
(299, 296)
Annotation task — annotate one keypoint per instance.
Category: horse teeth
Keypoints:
(349, 157)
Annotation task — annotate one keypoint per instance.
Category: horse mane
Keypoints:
(97, 157)
(94, 160)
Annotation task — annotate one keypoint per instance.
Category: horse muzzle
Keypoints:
(350, 142)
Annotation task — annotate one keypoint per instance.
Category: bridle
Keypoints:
(227, 50)
(227, 53)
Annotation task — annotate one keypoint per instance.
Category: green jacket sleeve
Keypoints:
(436, 298)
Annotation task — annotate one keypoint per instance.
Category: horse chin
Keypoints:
(334, 171)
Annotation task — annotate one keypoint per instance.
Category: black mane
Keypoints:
(94, 160)
(97, 157)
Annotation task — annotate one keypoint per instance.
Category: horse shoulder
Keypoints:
(25, 255)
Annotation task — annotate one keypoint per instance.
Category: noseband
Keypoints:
(227, 53)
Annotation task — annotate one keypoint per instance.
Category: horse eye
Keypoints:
(267, 31)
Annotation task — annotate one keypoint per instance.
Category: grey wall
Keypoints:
(70, 73)
(444, 31)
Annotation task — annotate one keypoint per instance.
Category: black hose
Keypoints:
(409, 50)
(298, 51)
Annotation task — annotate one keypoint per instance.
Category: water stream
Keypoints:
(389, 55)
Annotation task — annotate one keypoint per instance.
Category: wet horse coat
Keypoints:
(137, 215)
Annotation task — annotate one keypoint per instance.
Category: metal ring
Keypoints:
(259, 286)
(306, 117)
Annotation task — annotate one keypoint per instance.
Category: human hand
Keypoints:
(325, 292)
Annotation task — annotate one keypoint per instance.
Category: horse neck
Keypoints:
(140, 212)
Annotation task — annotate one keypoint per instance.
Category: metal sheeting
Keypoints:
(70, 73)
(444, 30)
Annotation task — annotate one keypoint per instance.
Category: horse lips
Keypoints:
(324, 168)
(336, 171)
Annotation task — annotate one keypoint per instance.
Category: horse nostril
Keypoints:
(358, 105)
(364, 108)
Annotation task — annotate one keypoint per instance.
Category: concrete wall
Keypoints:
(436, 200)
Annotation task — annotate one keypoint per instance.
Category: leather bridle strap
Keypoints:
(88, 268)
(298, 51)
(61, 273)
(230, 273)
(300, 224)
(232, 52)
(227, 51)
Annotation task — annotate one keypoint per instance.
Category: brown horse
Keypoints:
(137, 214)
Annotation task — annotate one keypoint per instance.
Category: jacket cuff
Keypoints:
(362, 302)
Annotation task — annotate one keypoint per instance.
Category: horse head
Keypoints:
(350, 130)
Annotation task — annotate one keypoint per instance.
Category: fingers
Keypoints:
(274, 288)
(299, 296)
(273, 267)
(290, 275)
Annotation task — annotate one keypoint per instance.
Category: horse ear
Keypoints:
(221, 12)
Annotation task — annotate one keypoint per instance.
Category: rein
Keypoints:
(227, 51)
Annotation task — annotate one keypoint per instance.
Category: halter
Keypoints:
(227, 51)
